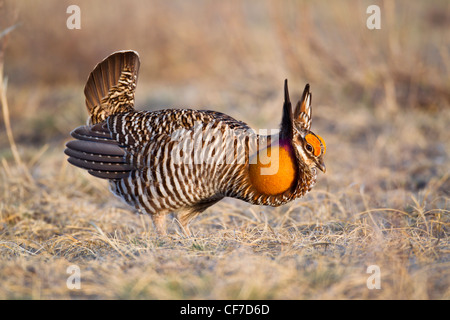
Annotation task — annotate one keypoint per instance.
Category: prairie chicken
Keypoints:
(182, 160)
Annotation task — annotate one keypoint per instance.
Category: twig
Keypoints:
(8, 30)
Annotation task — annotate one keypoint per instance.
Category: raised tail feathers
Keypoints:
(111, 86)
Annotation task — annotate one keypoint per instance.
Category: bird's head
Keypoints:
(308, 147)
(292, 160)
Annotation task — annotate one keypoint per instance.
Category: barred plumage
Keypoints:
(183, 160)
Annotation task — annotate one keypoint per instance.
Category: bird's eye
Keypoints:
(309, 147)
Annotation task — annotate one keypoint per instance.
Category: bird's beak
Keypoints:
(321, 165)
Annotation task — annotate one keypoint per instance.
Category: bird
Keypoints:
(183, 161)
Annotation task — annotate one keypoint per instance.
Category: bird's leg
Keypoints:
(184, 218)
(159, 221)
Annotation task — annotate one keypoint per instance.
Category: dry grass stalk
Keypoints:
(5, 108)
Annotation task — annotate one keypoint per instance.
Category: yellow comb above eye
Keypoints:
(316, 142)
(323, 143)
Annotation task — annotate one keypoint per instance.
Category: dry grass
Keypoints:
(381, 101)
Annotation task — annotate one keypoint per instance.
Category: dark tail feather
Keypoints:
(95, 151)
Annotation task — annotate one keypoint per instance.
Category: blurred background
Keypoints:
(380, 97)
